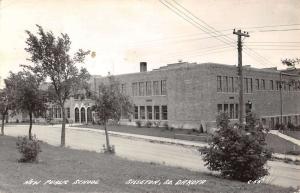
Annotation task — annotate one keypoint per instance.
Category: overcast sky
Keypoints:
(125, 32)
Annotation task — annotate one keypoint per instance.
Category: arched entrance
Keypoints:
(89, 114)
(82, 113)
(76, 115)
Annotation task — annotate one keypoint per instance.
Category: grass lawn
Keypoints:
(279, 145)
(111, 173)
(294, 134)
(185, 134)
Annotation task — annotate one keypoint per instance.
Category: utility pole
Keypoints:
(281, 105)
(239, 33)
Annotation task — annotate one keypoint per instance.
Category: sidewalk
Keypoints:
(171, 141)
(286, 137)
(146, 137)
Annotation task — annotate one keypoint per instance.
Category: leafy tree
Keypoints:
(290, 62)
(52, 61)
(237, 153)
(5, 105)
(109, 104)
(27, 96)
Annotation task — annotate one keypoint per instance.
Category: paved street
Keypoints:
(136, 149)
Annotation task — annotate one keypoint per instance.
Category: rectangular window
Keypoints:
(236, 111)
(163, 87)
(277, 85)
(251, 85)
(123, 88)
(284, 121)
(149, 112)
(257, 84)
(136, 112)
(219, 84)
(220, 108)
(284, 85)
(231, 111)
(246, 86)
(68, 113)
(134, 89)
(226, 108)
(231, 84)
(155, 88)
(271, 85)
(148, 88)
(272, 124)
(156, 112)
(50, 111)
(164, 111)
(225, 80)
(263, 84)
(141, 88)
(264, 121)
(55, 112)
(277, 120)
(59, 112)
(236, 84)
(142, 112)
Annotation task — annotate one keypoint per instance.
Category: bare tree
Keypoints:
(51, 59)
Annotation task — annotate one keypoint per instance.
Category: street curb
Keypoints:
(164, 140)
(152, 139)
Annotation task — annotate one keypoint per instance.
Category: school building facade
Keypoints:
(187, 95)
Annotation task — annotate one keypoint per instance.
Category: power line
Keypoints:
(230, 39)
(273, 42)
(198, 25)
(268, 26)
(199, 55)
(275, 49)
(193, 53)
(280, 30)
(224, 30)
(258, 58)
(208, 29)
(190, 20)
(272, 45)
(138, 44)
(8, 5)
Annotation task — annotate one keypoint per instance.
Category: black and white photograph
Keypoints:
(150, 96)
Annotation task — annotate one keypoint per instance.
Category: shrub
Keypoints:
(293, 152)
(238, 154)
(165, 125)
(138, 123)
(148, 124)
(201, 130)
(110, 150)
(29, 149)
(291, 126)
(156, 124)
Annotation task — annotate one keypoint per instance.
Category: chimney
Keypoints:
(143, 66)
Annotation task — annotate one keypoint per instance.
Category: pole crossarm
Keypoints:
(240, 33)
